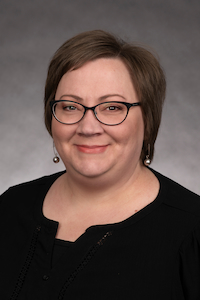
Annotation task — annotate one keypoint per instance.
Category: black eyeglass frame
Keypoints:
(86, 108)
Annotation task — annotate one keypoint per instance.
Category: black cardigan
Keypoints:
(154, 254)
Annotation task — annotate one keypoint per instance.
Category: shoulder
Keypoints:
(28, 189)
(178, 197)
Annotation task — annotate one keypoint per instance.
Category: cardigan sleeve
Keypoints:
(186, 281)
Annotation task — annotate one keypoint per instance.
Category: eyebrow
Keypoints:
(112, 95)
(100, 99)
(72, 96)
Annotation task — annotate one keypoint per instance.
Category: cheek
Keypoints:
(61, 132)
(129, 133)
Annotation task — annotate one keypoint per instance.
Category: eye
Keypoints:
(69, 107)
(112, 108)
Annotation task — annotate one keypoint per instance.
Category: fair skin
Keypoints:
(105, 180)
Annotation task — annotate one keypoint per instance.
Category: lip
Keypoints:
(93, 149)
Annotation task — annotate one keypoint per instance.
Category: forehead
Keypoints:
(104, 75)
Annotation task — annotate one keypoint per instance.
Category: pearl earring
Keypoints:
(56, 159)
(147, 160)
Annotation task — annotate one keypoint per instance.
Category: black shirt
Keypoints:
(154, 254)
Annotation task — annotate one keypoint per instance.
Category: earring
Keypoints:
(147, 160)
(56, 159)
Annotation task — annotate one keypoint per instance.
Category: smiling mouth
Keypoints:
(91, 149)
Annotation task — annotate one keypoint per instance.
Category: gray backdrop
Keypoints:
(31, 31)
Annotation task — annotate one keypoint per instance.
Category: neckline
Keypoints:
(52, 225)
(62, 243)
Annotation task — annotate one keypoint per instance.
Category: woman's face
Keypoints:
(89, 148)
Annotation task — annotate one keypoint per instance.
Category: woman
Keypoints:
(109, 227)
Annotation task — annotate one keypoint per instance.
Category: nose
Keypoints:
(89, 125)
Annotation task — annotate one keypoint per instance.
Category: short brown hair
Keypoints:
(146, 73)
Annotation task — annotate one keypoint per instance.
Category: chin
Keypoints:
(88, 167)
(90, 170)
(91, 173)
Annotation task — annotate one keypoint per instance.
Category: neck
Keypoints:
(79, 189)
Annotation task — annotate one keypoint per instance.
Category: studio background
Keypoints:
(31, 31)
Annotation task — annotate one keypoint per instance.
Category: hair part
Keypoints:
(146, 73)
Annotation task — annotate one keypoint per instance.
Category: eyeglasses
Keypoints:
(108, 113)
